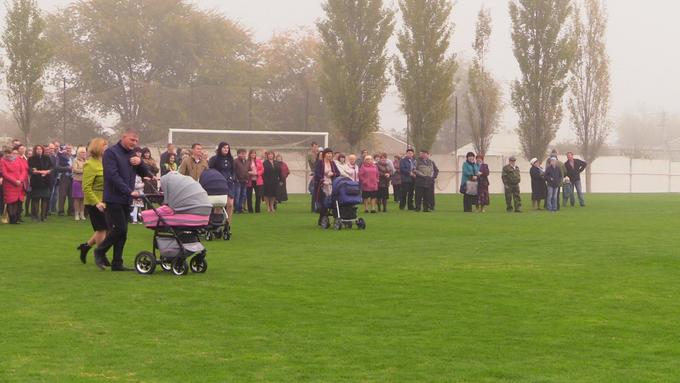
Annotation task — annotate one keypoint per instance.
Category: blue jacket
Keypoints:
(119, 175)
(553, 177)
(406, 166)
(469, 170)
(63, 165)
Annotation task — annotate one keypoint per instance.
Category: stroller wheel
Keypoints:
(166, 264)
(209, 236)
(337, 225)
(145, 263)
(198, 264)
(361, 224)
(226, 235)
(180, 266)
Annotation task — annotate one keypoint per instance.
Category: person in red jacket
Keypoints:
(14, 175)
(368, 177)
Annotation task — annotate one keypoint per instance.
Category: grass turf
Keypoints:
(587, 295)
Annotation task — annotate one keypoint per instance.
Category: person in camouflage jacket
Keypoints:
(511, 179)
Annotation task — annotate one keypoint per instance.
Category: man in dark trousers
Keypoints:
(407, 167)
(423, 182)
(120, 169)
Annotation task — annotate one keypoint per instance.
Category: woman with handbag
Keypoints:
(482, 184)
(469, 182)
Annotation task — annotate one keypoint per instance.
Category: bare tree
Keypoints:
(483, 100)
(590, 83)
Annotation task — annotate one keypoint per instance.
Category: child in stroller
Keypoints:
(345, 197)
(176, 225)
(217, 187)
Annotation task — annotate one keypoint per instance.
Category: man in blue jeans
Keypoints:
(120, 168)
(574, 169)
(241, 180)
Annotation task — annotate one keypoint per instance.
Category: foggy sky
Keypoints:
(645, 58)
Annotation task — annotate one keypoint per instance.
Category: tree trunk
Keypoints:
(588, 178)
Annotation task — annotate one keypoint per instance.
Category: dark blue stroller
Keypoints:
(217, 187)
(344, 199)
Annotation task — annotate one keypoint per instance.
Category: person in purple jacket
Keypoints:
(120, 169)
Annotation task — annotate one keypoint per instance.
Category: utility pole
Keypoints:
(250, 107)
(455, 140)
(306, 108)
(191, 105)
(63, 113)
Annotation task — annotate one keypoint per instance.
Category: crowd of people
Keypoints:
(413, 180)
(106, 185)
(47, 179)
(546, 183)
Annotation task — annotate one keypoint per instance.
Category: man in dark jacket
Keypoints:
(574, 168)
(407, 166)
(424, 172)
(120, 169)
(65, 179)
(240, 184)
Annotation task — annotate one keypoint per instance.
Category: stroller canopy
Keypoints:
(214, 182)
(346, 191)
(184, 195)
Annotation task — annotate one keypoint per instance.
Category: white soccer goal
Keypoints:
(294, 139)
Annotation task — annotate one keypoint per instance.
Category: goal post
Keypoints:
(324, 135)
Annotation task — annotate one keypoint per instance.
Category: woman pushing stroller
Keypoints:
(325, 172)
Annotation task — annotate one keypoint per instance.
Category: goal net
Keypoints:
(292, 146)
(276, 141)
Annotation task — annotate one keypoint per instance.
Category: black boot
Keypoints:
(84, 249)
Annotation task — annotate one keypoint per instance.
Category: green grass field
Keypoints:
(585, 295)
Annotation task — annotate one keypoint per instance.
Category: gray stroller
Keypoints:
(177, 226)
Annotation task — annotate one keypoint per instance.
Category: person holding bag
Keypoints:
(469, 180)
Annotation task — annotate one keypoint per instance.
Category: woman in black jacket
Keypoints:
(539, 192)
(223, 162)
(271, 178)
(40, 169)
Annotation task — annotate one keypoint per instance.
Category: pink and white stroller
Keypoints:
(177, 224)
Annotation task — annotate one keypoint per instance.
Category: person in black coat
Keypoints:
(121, 167)
(223, 162)
(539, 191)
(40, 169)
(271, 178)
(553, 180)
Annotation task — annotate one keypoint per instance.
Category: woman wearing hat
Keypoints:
(470, 173)
(539, 190)
(325, 172)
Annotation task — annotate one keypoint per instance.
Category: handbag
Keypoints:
(471, 188)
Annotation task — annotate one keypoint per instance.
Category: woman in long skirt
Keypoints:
(482, 184)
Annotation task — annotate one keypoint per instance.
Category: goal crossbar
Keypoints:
(254, 132)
